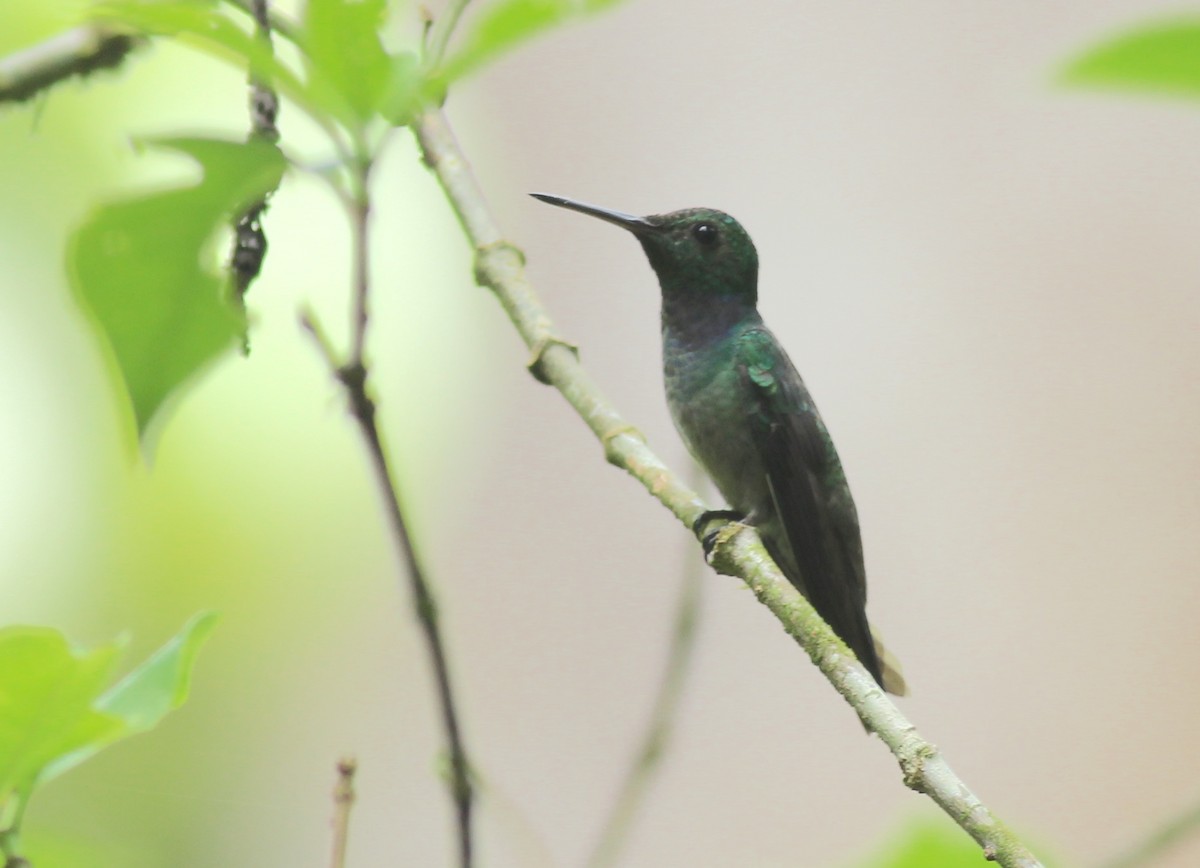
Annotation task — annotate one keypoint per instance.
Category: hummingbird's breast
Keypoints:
(710, 404)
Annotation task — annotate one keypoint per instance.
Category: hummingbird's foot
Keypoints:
(708, 538)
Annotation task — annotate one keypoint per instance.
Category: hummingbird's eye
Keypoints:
(705, 233)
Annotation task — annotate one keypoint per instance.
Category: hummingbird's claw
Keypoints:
(700, 525)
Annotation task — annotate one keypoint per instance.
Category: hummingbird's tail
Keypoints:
(843, 610)
(890, 669)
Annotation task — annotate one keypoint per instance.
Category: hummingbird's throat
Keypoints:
(694, 318)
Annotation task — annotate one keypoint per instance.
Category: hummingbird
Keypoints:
(747, 418)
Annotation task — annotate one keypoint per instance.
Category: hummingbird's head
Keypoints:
(703, 252)
(697, 252)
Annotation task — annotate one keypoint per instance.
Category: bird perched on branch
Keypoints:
(746, 416)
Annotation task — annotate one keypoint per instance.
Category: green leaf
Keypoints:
(46, 695)
(161, 684)
(1163, 57)
(342, 48)
(508, 23)
(402, 95)
(200, 24)
(52, 713)
(136, 268)
(147, 694)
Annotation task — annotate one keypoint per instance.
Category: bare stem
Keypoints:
(440, 32)
(360, 215)
(278, 23)
(739, 551)
(650, 753)
(343, 800)
(353, 376)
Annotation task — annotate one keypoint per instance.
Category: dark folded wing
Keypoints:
(810, 494)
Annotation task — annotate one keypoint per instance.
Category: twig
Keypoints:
(738, 551)
(650, 753)
(360, 215)
(279, 23)
(249, 239)
(353, 377)
(1160, 840)
(440, 32)
(79, 51)
(343, 800)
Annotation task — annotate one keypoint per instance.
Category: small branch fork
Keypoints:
(353, 378)
(738, 551)
(440, 30)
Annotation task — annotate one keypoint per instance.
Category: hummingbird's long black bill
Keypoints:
(636, 225)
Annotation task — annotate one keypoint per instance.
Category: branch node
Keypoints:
(912, 766)
(537, 355)
(608, 438)
(485, 252)
(343, 792)
(353, 377)
(343, 799)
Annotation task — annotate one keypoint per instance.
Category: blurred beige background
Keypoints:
(989, 283)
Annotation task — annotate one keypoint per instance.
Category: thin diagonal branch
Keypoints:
(360, 216)
(79, 51)
(738, 551)
(1160, 840)
(353, 375)
(649, 755)
(353, 378)
(343, 800)
(440, 32)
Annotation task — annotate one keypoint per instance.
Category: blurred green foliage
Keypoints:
(1162, 58)
(342, 47)
(55, 712)
(139, 261)
(927, 842)
(219, 522)
(138, 268)
(503, 26)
